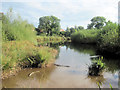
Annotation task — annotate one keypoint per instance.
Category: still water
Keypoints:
(75, 76)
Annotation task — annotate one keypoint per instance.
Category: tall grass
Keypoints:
(14, 28)
(25, 54)
(19, 49)
(85, 36)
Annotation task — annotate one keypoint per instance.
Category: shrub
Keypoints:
(25, 53)
(50, 38)
(14, 28)
(109, 38)
(85, 36)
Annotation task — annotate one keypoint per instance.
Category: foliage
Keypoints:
(85, 36)
(99, 84)
(50, 38)
(106, 38)
(19, 46)
(97, 22)
(111, 86)
(49, 24)
(14, 28)
(70, 31)
(80, 27)
(24, 53)
(109, 38)
(67, 32)
(96, 67)
(99, 62)
(62, 33)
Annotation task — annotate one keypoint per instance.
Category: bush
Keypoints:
(85, 36)
(23, 53)
(14, 28)
(50, 38)
(109, 38)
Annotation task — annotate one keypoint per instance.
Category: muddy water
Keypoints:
(75, 76)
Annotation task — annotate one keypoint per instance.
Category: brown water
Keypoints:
(75, 76)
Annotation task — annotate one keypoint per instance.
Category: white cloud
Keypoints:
(81, 11)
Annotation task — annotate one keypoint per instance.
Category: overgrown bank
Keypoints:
(22, 54)
(107, 39)
(85, 36)
(20, 48)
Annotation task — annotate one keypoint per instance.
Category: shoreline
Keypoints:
(25, 54)
(11, 73)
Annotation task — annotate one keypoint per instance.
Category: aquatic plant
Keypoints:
(96, 67)
(99, 84)
(111, 86)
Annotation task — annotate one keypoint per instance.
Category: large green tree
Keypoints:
(49, 24)
(97, 22)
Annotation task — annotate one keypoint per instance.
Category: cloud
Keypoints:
(71, 12)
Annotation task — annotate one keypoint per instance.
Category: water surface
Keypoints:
(75, 76)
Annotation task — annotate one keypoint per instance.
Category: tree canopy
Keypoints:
(49, 24)
(97, 22)
(80, 27)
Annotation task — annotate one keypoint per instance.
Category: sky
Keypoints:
(70, 12)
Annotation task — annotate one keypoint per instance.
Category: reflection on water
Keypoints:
(78, 57)
(23, 80)
(96, 79)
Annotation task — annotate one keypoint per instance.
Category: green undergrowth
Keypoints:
(107, 39)
(25, 54)
(14, 28)
(85, 36)
(50, 38)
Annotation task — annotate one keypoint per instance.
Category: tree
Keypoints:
(49, 24)
(90, 26)
(97, 22)
(76, 27)
(72, 30)
(67, 33)
(80, 27)
(67, 29)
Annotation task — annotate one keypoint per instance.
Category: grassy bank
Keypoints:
(107, 38)
(20, 48)
(21, 54)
